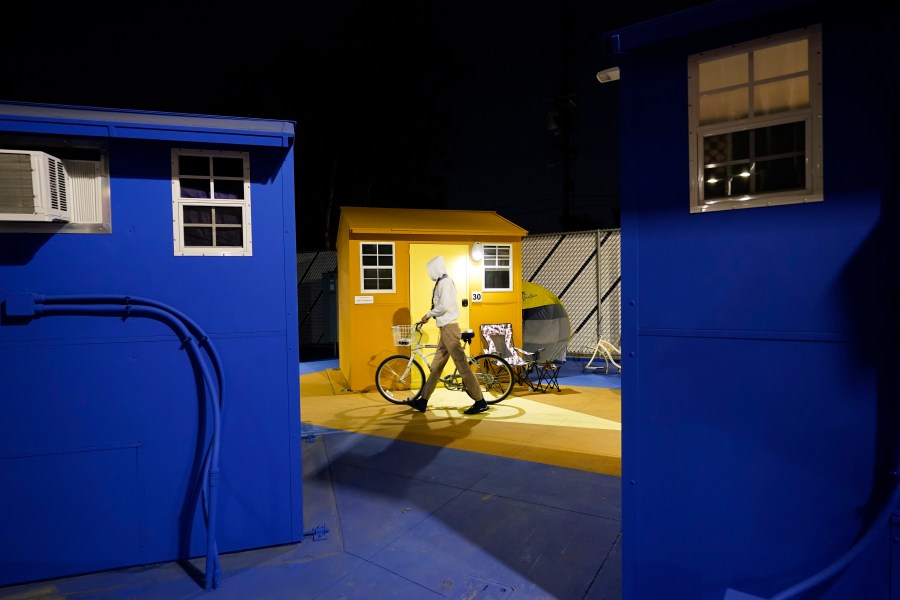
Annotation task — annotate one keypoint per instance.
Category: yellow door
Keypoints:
(421, 286)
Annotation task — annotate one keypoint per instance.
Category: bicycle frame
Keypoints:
(452, 381)
(397, 379)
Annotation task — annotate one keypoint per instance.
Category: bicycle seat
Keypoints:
(467, 335)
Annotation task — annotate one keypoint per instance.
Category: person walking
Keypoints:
(445, 311)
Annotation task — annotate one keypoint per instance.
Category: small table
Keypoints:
(547, 375)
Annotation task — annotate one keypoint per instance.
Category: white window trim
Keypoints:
(496, 268)
(812, 115)
(178, 203)
(362, 268)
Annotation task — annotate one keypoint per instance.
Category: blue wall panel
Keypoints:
(759, 370)
(104, 421)
(98, 490)
(757, 447)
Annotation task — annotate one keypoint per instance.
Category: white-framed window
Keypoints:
(756, 123)
(86, 182)
(377, 270)
(497, 263)
(211, 203)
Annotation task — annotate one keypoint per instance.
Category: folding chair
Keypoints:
(609, 353)
(499, 340)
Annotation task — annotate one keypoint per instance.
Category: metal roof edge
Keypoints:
(357, 221)
(143, 124)
(702, 17)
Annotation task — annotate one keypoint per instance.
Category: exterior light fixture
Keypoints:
(607, 75)
(477, 252)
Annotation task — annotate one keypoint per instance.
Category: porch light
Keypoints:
(607, 75)
(477, 252)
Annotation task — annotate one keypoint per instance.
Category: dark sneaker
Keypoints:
(418, 403)
(480, 406)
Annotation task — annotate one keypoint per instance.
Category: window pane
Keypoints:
(194, 188)
(198, 236)
(783, 59)
(774, 156)
(229, 189)
(779, 96)
(228, 215)
(385, 249)
(496, 279)
(724, 72)
(724, 182)
(368, 248)
(369, 260)
(197, 214)
(193, 165)
(724, 106)
(714, 180)
(384, 284)
(229, 236)
(228, 167)
(781, 174)
(386, 261)
(781, 139)
(370, 283)
(726, 147)
(740, 183)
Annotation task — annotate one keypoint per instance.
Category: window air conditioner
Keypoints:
(32, 187)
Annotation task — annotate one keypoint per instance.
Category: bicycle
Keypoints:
(400, 377)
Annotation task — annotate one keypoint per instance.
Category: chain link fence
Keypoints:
(583, 270)
(313, 297)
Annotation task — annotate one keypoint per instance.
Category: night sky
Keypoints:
(459, 105)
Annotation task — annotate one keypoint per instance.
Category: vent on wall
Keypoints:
(32, 187)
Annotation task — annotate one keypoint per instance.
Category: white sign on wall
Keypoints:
(364, 299)
(476, 296)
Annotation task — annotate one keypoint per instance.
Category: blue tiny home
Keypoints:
(759, 300)
(148, 339)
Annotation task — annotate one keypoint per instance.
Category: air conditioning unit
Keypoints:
(32, 187)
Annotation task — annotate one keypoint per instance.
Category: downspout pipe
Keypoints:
(835, 568)
(843, 562)
(191, 336)
(138, 300)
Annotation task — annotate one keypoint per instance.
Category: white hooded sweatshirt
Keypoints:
(445, 308)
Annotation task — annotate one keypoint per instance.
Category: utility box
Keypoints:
(329, 300)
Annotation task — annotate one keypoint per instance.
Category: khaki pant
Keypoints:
(450, 346)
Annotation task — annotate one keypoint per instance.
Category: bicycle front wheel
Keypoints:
(399, 379)
(494, 375)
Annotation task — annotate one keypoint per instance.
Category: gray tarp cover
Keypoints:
(545, 323)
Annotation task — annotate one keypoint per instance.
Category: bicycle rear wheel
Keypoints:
(494, 375)
(399, 379)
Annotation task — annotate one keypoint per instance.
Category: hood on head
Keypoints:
(436, 267)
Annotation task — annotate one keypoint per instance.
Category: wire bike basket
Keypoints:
(402, 335)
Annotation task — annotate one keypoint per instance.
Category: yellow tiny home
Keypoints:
(382, 278)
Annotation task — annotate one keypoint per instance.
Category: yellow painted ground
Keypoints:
(577, 427)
